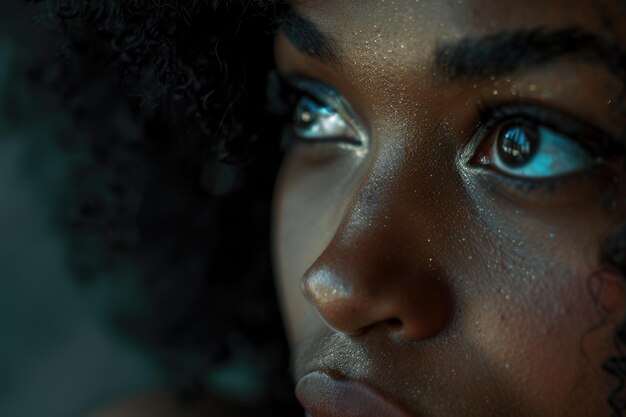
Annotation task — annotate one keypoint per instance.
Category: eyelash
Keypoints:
(596, 142)
(284, 96)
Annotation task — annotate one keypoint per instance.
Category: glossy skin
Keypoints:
(404, 264)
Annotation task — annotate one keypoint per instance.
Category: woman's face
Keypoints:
(453, 171)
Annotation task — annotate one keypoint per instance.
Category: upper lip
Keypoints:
(323, 395)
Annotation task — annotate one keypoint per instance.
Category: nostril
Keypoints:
(394, 324)
(352, 299)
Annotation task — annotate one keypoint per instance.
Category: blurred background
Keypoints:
(60, 355)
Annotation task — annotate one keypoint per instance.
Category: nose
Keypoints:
(374, 272)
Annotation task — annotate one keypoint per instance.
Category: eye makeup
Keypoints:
(315, 114)
(533, 147)
(318, 121)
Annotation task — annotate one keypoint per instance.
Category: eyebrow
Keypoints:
(508, 52)
(308, 38)
(478, 57)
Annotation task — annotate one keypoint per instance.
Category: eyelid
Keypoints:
(594, 140)
(326, 95)
(321, 92)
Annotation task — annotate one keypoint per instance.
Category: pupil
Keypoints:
(517, 144)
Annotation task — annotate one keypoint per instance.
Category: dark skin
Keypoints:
(417, 261)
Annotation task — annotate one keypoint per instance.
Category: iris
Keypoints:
(526, 150)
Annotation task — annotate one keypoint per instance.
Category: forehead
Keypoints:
(388, 43)
(347, 20)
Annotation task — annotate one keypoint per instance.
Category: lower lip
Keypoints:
(324, 396)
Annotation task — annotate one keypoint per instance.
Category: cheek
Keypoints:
(544, 313)
(308, 206)
(549, 340)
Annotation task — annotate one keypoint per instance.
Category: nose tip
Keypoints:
(353, 301)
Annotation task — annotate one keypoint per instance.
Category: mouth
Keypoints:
(324, 396)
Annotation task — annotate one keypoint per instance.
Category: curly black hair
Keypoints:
(184, 156)
(170, 93)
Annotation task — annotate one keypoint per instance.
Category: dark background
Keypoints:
(59, 354)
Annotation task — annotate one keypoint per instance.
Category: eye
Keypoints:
(321, 115)
(319, 122)
(526, 150)
(536, 144)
